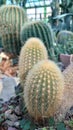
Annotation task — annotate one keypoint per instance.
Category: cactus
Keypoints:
(16, 17)
(43, 90)
(68, 79)
(41, 30)
(8, 38)
(32, 52)
(65, 39)
(67, 101)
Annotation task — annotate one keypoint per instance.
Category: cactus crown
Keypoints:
(40, 30)
(13, 14)
(64, 36)
(32, 52)
(43, 89)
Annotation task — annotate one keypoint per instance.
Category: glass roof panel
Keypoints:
(33, 3)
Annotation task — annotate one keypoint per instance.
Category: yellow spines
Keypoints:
(32, 52)
(43, 89)
(68, 88)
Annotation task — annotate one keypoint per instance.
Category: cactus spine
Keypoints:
(41, 30)
(16, 17)
(32, 52)
(43, 90)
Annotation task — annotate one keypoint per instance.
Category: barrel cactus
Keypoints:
(43, 90)
(68, 82)
(32, 52)
(15, 16)
(67, 101)
(65, 41)
(41, 30)
(8, 38)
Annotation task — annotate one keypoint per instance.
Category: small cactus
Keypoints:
(15, 16)
(65, 39)
(42, 31)
(43, 90)
(32, 52)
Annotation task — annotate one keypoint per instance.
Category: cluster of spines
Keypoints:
(15, 16)
(32, 52)
(41, 30)
(64, 36)
(43, 90)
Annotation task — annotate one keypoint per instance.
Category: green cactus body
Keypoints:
(65, 39)
(43, 90)
(41, 30)
(16, 17)
(32, 52)
(8, 37)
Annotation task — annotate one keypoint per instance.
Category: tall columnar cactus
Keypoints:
(43, 90)
(32, 52)
(15, 16)
(65, 39)
(41, 30)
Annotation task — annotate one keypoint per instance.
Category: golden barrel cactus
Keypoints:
(32, 52)
(43, 90)
(68, 88)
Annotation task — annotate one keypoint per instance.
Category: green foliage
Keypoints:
(60, 126)
(51, 121)
(26, 124)
(41, 30)
(2, 2)
(71, 123)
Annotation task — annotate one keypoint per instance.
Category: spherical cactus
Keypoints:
(65, 39)
(41, 30)
(43, 90)
(15, 16)
(32, 52)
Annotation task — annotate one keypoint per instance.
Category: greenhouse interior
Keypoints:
(36, 65)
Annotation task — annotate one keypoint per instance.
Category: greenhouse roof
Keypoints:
(36, 3)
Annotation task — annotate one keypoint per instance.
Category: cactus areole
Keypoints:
(31, 53)
(40, 30)
(43, 90)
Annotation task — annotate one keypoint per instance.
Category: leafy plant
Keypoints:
(60, 126)
(51, 121)
(71, 123)
(27, 125)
